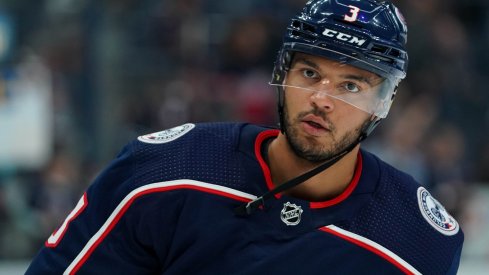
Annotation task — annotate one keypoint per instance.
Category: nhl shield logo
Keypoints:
(435, 213)
(291, 214)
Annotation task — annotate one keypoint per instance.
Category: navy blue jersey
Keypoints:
(166, 205)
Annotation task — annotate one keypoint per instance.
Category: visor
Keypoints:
(360, 87)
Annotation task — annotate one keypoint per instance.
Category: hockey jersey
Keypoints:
(166, 205)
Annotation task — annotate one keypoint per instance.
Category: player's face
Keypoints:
(318, 125)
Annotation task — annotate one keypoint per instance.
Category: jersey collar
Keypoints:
(265, 135)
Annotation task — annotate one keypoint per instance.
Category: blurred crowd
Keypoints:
(122, 68)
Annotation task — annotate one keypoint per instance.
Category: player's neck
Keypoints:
(285, 165)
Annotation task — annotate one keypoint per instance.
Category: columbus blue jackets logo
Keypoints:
(291, 214)
(435, 213)
(167, 135)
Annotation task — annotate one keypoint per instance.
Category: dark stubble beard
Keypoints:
(310, 148)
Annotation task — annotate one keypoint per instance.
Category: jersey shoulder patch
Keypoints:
(168, 135)
(435, 214)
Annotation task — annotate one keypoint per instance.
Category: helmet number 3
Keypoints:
(354, 13)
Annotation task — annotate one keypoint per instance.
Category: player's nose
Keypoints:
(323, 100)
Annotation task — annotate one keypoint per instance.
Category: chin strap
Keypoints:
(250, 207)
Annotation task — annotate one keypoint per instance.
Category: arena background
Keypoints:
(79, 79)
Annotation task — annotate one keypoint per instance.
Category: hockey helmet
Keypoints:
(367, 34)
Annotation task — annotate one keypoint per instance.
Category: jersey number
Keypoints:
(56, 237)
(354, 13)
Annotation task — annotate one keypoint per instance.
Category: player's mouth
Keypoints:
(314, 125)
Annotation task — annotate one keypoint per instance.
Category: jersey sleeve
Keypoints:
(107, 232)
(455, 262)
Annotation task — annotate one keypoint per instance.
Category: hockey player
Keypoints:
(229, 198)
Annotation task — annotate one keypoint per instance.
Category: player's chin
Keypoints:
(318, 145)
(316, 155)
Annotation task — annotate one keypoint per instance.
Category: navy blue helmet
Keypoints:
(366, 34)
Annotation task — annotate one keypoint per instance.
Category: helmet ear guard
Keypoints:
(282, 65)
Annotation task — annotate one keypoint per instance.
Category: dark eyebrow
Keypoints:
(308, 63)
(358, 78)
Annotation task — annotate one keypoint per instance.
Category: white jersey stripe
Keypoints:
(373, 245)
(127, 201)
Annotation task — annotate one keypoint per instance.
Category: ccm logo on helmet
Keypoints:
(344, 37)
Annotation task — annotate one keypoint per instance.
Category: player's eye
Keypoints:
(351, 87)
(308, 73)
